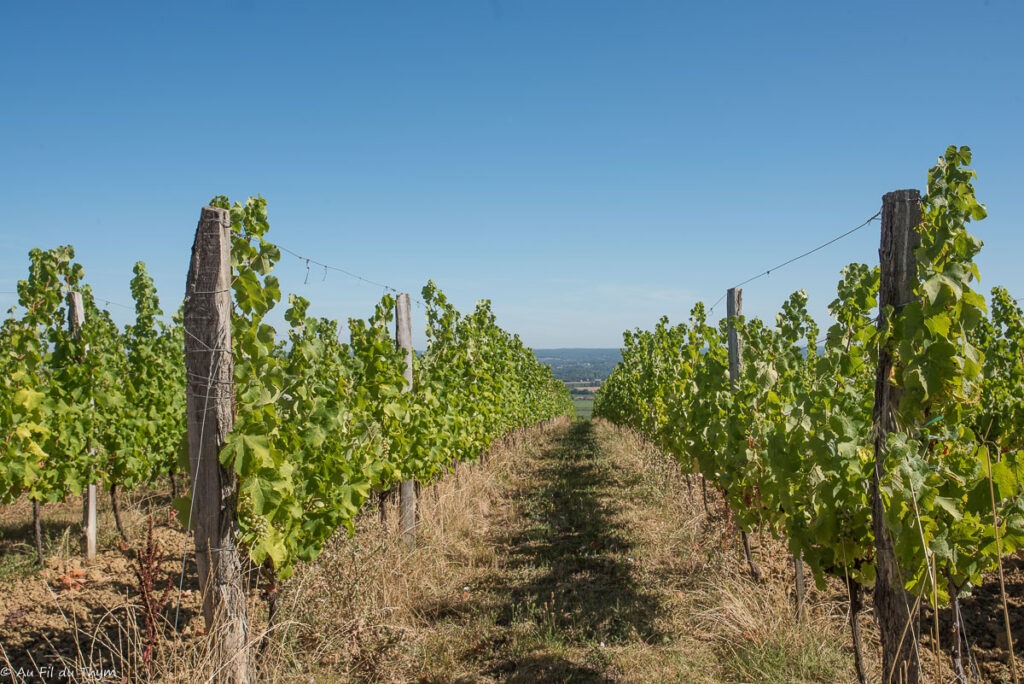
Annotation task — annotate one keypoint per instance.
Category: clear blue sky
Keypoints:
(587, 166)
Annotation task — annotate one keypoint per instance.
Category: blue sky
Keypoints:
(587, 166)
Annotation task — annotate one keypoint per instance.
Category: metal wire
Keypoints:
(787, 262)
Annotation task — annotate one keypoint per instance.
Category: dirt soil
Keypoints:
(986, 631)
(74, 620)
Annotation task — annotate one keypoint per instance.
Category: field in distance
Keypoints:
(582, 367)
(582, 370)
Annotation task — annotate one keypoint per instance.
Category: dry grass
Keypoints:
(730, 628)
(370, 610)
(756, 638)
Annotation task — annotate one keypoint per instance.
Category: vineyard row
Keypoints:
(892, 458)
(285, 436)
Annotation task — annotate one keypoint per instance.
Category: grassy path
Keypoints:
(595, 565)
(569, 588)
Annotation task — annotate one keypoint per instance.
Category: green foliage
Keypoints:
(93, 405)
(147, 432)
(790, 443)
(321, 424)
(953, 437)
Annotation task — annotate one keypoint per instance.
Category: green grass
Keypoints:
(584, 408)
(17, 562)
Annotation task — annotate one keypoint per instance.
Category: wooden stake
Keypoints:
(956, 640)
(798, 572)
(76, 319)
(854, 589)
(1002, 577)
(37, 530)
(115, 506)
(407, 490)
(899, 628)
(210, 367)
(734, 307)
(937, 643)
(89, 522)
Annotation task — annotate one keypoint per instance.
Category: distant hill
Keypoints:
(580, 365)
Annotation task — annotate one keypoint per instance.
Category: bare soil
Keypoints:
(74, 620)
(986, 631)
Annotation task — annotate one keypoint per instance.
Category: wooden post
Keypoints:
(856, 605)
(407, 490)
(798, 575)
(210, 366)
(900, 631)
(733, 308)
(37, 529)
(76, 319)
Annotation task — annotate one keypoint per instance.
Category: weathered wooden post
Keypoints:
(733, 308)
(798, 580)
(76, 319)
(900, 631)
(209, 365)
(407, 490)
